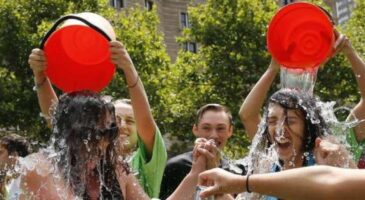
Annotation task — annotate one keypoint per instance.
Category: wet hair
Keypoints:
(79, 124)
(14, 143)
(314, 124)
(213, 107)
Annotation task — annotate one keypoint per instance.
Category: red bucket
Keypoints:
(78, 56)
(300, 35)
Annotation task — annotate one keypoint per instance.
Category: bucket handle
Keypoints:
(64, 18)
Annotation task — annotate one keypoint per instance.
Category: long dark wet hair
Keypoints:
(78, 127)
(314, 124)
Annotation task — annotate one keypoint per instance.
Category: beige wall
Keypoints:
(169, 13)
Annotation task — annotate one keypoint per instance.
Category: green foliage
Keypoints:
(232, 53)
(336, 81)
(232, 48)
(23, 25)
(137, 29)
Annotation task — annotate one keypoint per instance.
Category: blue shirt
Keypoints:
(309, 161)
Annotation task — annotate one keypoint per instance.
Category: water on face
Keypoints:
(262, 157)
(58, 166)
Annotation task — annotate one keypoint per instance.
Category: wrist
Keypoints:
(39, 82)
(39, 75)
(351, 53)
(274, 68)
(240, 182)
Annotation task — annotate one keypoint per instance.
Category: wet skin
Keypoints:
(287, 134)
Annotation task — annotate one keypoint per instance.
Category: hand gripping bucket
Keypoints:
(77, 53)
(300, 35)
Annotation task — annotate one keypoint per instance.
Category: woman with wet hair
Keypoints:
(293, 121)
(292, 132)
(81, 164)
(139, 135)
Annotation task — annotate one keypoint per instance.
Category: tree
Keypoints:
(23, 25)
(232, 56)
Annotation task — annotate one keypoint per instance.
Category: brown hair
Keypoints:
(213, 107)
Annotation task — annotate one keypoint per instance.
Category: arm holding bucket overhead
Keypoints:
(146, 125)
(46, 94)
(358, 67)
(250, 109)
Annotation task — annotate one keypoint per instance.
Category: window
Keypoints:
(148, 4)
(190, 46)
(184, 20)
(118, 4)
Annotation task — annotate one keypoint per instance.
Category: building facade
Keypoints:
(173, 17)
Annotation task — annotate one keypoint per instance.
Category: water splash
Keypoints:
(262, 156)
(299, 79)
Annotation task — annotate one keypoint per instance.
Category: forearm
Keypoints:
(318, 182)
(186, 189)
(251, 107)
(358, 67)
(134, 190)
(46, 95)
(142, 112)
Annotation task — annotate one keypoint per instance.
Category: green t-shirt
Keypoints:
(150, 171)
(357, 148)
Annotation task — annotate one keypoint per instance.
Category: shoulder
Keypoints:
(181, 159)
(38, 162)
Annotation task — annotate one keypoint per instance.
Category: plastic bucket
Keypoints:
(77, 53)
(300, 35)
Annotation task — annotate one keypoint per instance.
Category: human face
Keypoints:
(127, 126)
(214, 125)
(105, 133)
(286, 132)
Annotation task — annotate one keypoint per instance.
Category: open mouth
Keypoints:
(282, 142)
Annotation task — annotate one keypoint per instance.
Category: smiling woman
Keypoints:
(293, 122)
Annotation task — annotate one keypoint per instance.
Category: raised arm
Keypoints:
(318, 182)
(186, 188)
(146, 125)
(251, 107)
(358, 68)
(46, 94)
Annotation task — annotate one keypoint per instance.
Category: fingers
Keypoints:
(339, 41)
(318, 142)
(206, 153)
(117, 50)
(200, 140)
(210, 191)
(37, 60)
(342, 44)
(119, 55)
